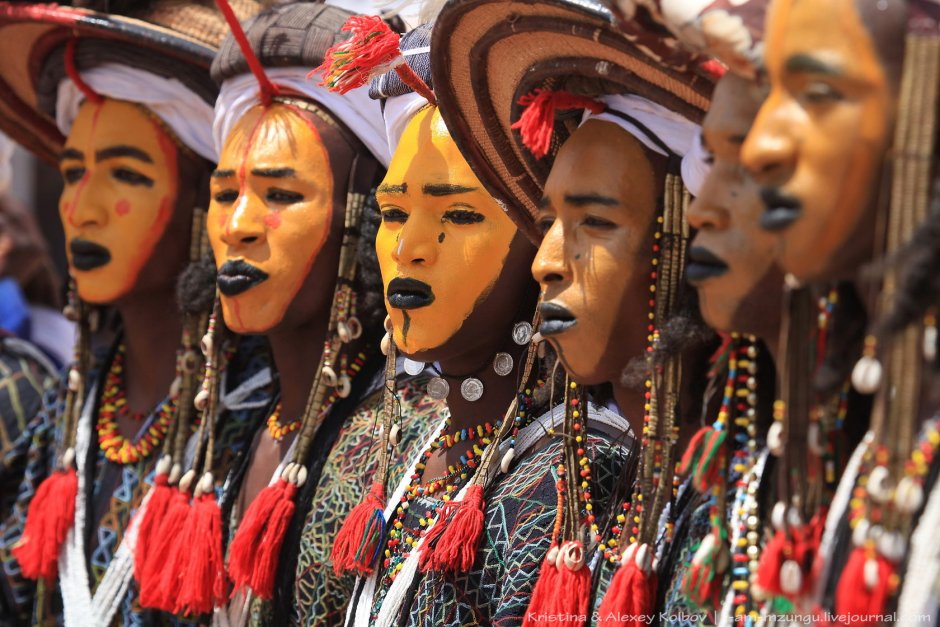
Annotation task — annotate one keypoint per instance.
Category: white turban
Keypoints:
(188, 115)
(680, 135)
(360, 113)
(399, 109)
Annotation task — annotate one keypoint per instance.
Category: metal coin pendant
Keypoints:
(471, 389)
(522, 333)
(438, 388)
(413, 367)
(502, 364)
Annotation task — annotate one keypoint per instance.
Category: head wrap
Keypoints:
(356, 110)
(661, 128)
(187, 114)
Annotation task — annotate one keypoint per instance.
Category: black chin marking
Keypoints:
(440, 238)
(405, 326)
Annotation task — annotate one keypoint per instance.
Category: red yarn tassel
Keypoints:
(631, 597)
(159, 580)
(453, 546)
(50, 516)
(153, 515)
(771, 560)
(202, 581)
(357, 544)
(541, 604)
(269, 550)
(866, 585)
(537, 123)
(247, 540)
(371, 50)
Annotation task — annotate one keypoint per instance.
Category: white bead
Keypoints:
(206, 345)
(778, 516)
(879, 484)
(909, 495)
(866, 375)
(775, 443)
(75, 380)
(791, 577)
(506, 462)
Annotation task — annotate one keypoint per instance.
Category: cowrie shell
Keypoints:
(791, 577)
(908, 495)
(394, 434)
(344, 387)
(871, 574)
(879, 484)
(775, 443)
(201, 400)
(866, 375)
(506, 462)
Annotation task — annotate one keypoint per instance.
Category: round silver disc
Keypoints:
(438, 388)
(522, 333)
(413, 367)
(471, 389)
(502, 364)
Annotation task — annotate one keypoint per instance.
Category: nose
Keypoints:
(246, 223)
(419, 239)
(709, 210)
(82, 205)
(769, 152)
(550, 265)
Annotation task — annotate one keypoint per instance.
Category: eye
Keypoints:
(226, 196)
(820, 92)
(394, 215)
(463, 216)
(545, 224)
(73, 175)
(126, 175)
(283, 196)
(595, 222)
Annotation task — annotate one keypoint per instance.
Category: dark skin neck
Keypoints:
(150, 357)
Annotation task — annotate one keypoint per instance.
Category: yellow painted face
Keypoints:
(443, 239)
(270, 214)
(120, 176)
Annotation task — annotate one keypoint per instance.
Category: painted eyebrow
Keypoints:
(388, 188)
(544, 202)
(274, 173)
(223, 174)
(446, 189)
(582, 200)
(122, 151)
(808, 64)
(71, 153)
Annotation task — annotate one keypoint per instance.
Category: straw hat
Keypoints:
(168, 37)
(487, 54)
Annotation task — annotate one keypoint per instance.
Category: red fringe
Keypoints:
(51, 514)
(451, 545)
(352, 63)
(160, 496)
(631, 597)
(247, 540)
(269, 551)
(541, 604)
(771, 559)
(202, 582)
(853, 595)
(357, 544)
(159, 580)
(537, 123)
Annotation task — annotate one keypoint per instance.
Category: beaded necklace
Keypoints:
(116, 447)
(278, 431)
(400, 540)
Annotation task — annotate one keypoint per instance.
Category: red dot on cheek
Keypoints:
(272, 219)
(123, 207)
(223, 218)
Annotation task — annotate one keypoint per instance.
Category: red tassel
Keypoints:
(541, 604)
(247, 540)
(701, 459)
(153, 515)
(702, 582)
(771, 560)
(537, 123)
(50, 516)
(159, 580)
(373, 47)
(452, 545)
(865, 594)
(631, 597)
(357, 544)
(202, 581)
(269, 550)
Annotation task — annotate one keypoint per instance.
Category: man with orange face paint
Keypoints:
(460, 301)
(134, 149)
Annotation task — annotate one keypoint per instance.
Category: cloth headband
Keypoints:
(399, 108)
(676, 133)
(188, 115)
(357, 111)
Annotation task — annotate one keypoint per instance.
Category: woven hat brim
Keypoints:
(30, 32)
(489, 53)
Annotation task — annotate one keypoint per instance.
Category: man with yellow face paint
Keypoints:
(131, 132)
(460, 303)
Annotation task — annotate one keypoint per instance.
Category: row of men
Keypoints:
(657, 282)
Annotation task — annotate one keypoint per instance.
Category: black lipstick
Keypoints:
(237, 276)
(88, 255)
(781, 210)
(703, 264)
(555, 319)
(409, 294)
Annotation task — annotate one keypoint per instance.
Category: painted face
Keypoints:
(120, 172)
(731, 259)
(817, 144)
(270, 214)
(443, 240)
(594, 262)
